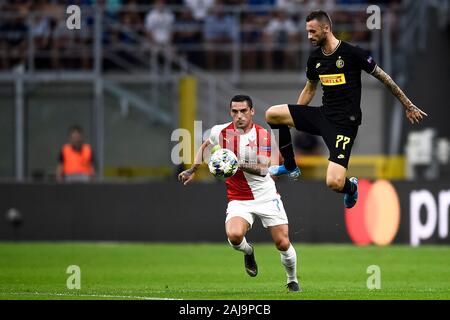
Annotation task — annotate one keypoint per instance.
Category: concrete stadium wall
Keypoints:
(429, 80)
(130, 137)
(7, 125)
(170, 212)
(50, 108)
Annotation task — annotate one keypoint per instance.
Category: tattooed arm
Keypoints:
(260, 169)
(413, 113)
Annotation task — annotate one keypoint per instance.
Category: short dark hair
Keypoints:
(320, 16)
(75, 128)
(242, 98)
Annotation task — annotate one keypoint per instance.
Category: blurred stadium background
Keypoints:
(137, 70)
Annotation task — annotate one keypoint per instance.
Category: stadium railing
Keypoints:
(49, 45)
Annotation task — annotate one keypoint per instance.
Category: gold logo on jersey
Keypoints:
(340, 63)
(332, 79)
(317, 65)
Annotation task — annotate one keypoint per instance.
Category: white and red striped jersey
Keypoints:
(243, 185)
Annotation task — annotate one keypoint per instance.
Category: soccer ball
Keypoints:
(223, 163)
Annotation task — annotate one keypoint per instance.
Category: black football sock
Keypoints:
(285, 146)
(349, 187)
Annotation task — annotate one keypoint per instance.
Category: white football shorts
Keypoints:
(269, 211)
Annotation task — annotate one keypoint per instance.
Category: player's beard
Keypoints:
(242, 125)
(321, 41)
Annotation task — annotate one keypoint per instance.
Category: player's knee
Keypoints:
(282, 244)
(272, 115)
(335, 183)
(235, 236)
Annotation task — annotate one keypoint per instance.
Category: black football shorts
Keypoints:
(338, 139)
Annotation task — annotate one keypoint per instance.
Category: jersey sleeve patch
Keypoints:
(364, 59)
(264, 144)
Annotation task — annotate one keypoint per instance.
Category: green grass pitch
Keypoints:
(216, 271)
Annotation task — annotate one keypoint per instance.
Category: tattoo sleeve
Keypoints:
(395, 89)
(254, 168)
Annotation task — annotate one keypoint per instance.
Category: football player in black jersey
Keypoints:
(337, 65)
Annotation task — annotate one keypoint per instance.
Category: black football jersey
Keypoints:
(340, 76)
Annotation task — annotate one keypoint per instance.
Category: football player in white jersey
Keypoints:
(251, 190)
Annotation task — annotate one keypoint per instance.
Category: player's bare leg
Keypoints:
(279, 118)
(279, 114)
(236, 228)
(337, 180)
(280, 236)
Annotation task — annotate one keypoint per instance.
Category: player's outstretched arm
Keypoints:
(307, 93)
(413, 113)
(187, 175)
